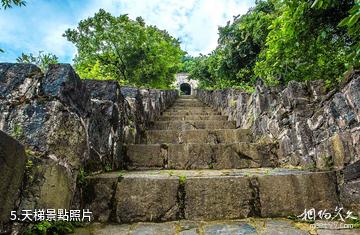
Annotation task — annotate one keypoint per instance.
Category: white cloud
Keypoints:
(36, 27)
(40, 25)
(195, 22)
(55, 42)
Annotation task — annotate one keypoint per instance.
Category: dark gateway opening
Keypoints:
(185, 88)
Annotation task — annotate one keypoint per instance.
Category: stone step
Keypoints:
(188, 101)
(213, 136)
(249, 226)
(200, 156)
(165, 195)
(191, 112)
(192, 125)
(187, 97)
(192, 117)
(190, 109)
(192, 103)
(189, 105)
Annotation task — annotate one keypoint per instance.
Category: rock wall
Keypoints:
(69, 125)
(312, 127)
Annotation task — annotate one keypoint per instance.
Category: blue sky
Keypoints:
(39, 26)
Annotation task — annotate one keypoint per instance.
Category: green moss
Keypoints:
(29, 164)
(297, 219)
(52, 227)
(81, 179)
(328, 161)
(310, 167)
(354, 221)
(233, 103)
(182, 179)
(248, 174)
(121, 174)
(329, 85)
(17, 132)
(108, 167)
(31, 153)
(132, 130)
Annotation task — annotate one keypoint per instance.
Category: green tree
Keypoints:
(43, 60)
(352, 22)
(305, 43)
(125, 50)
(10, 3)
(283, 40)
(240, 42)
(188, 63)
(201, 72)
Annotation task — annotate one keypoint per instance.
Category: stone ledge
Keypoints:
(163, 195)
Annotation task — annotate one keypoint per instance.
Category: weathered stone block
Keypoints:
(217, 198)
(62, 82)
(201, 156)
(352, 171)
(350, 195)
(18, 80)
(191, 112)
(190, 156)
(106, 124)
(244, 155)
(98, 196)
(56, 179)
(283, 195)
(191, 125)
(12, 166)
(146, 199)
(198, 136)
(49, 127)
(192, 117)
(145, 156)
(104, 90)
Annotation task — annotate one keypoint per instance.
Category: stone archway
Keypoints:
(185, 88)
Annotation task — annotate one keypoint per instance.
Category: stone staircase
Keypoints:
(195, 165)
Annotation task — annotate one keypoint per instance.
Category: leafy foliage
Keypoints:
(52, 227)
(187, 64)
(126, 50)
(231, 63)
(43, 60)
(283, 40)
(305, 43)
(243, 40)
(352, 22)
(10, 3)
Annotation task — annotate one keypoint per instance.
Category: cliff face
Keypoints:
(313, 128)
(67, 124)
